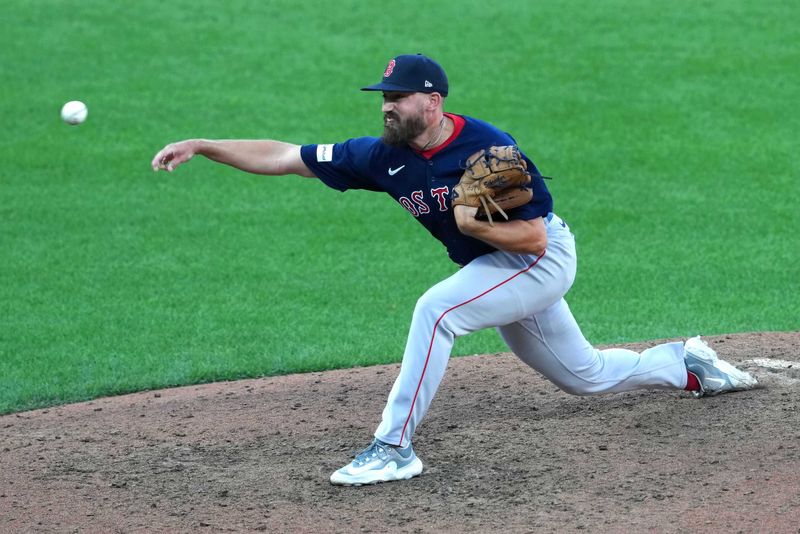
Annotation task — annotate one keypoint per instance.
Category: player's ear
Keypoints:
(435, 100)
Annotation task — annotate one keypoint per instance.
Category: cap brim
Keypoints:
(383, 86)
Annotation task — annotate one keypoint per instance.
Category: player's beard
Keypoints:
(400, 132)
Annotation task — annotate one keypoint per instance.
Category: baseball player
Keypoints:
(514, 270)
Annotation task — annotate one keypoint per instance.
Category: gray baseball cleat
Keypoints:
(379, 462)
(715, 376)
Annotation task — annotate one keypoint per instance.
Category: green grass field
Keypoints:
(670, 129)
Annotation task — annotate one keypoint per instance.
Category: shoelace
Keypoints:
(369, 453)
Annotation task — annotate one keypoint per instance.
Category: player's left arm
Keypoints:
(517, 236)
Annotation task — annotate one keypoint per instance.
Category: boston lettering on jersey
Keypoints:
(421, 182)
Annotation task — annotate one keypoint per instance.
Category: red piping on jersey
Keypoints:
(433, 336)
(458, 125)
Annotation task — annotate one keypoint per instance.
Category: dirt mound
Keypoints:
(504, 450)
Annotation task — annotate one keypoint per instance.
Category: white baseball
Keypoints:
(74, 112)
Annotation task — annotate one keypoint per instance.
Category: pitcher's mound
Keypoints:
(503, 449)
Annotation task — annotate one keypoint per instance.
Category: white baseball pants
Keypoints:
(522, 296)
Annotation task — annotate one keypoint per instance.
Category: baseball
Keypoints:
(74, 112)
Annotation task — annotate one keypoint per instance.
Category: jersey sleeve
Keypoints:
(342, 166)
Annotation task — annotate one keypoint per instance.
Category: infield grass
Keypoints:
(670, 129)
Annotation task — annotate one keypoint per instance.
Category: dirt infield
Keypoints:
(504, 450)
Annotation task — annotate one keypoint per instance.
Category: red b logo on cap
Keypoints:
(389, 69)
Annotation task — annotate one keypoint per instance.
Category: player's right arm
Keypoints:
(274, 158)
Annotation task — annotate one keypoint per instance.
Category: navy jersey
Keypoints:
(422, 181)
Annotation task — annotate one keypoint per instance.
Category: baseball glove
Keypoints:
(494, 180)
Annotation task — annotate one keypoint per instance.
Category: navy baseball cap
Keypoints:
(413, 73)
